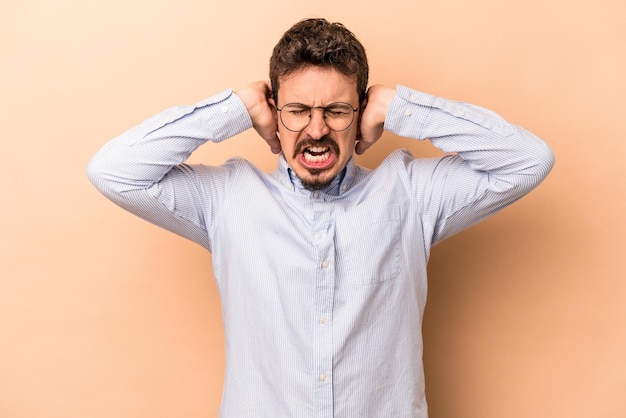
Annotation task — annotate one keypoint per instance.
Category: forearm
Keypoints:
(484, 140)
(144, 154)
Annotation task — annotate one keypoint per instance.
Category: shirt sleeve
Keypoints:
(491, 163)
(142, 170)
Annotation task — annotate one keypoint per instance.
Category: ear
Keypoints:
(272, 105)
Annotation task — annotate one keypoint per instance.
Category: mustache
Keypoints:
(324, 141)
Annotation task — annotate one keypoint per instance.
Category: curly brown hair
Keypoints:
(317, 42)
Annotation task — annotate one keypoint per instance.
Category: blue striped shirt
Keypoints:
(322, 293)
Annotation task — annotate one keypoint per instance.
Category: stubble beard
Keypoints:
(315, 184)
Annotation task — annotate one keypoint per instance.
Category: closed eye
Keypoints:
(336, 113)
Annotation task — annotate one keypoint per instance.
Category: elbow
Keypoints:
(532, 170)
(99, 176)
(544, 162)
(95, 174)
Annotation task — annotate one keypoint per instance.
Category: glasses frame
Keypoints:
(323, 109)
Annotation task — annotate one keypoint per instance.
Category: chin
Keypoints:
(316, 181)
(314, 185)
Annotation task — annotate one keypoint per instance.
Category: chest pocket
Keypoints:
(368, 245)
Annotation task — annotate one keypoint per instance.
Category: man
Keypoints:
(321, 264)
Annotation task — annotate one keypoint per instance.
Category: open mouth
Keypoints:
(318, 157)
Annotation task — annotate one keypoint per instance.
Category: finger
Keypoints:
(268, 89)
(362, 146)
(274, 144)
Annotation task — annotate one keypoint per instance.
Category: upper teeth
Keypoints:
(316, 154)
(317, 149)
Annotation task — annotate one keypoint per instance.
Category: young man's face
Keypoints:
(316, 153)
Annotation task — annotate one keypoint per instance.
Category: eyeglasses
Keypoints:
(297, 116)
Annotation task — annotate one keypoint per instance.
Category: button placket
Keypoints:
(324, 296)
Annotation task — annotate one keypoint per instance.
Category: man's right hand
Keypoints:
(257, 97)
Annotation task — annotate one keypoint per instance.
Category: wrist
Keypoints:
(254, 97)
(379, 99)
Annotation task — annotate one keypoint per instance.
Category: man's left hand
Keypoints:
(373, 117)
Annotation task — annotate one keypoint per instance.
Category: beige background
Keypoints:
(103, 315)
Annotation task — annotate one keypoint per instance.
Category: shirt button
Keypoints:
(413, 97)
(316, 195)
(322, 320)
(461, 112)
(322, 377)
(408, 112)
(325, 263)
(318, 236)
(224, 109)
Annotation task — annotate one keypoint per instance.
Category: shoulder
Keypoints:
(401, 167)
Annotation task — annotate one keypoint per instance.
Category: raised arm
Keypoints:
(491, 162)
(143, 169)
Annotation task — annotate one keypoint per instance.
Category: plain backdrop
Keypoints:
(104, 315)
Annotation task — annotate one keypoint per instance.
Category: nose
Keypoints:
(317, 127)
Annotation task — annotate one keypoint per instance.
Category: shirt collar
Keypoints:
(340, 184)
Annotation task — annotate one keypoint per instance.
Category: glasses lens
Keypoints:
(338, 116)
(296, 116)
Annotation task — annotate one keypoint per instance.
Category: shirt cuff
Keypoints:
(408, 112)
(226, 114)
